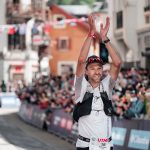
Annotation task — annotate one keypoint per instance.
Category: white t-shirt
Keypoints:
(97, 124)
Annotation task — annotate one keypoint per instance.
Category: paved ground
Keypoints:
(17, 135)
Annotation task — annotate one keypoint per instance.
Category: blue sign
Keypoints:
(9, 100)
(139, 139)
(118, 135)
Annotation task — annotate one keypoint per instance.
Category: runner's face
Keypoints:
(94, 72)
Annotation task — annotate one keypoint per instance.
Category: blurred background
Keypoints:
(40, 41)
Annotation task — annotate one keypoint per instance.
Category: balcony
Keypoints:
(118, 33)
(12, 9)
(147, 8)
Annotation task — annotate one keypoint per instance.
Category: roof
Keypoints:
(100, 6)
(77, 9)
(68, 16)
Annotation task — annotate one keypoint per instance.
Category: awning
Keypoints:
(146, 54)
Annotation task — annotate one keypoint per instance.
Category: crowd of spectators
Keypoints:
(50, 92)
(131, 95)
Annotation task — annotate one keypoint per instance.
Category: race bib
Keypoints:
(99, 144)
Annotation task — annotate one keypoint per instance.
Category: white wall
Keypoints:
(140, 14)
(1, 68)
(126, 39)
(3, 35)
(3, 10)
(113, 7)
(130, 25)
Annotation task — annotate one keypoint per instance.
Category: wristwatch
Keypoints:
(106, 41)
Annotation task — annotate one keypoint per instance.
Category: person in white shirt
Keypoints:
(95, 128)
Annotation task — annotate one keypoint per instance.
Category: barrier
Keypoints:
(62, 125)
(131, 134)
(9, 100)
(126, 134)
(32, 114)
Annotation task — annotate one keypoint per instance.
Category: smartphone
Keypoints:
(103, 51)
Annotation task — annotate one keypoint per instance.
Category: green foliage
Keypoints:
(74, 2)
(88, 2)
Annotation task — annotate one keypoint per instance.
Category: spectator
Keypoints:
(131, 93)
(137, 106)
(3, 86)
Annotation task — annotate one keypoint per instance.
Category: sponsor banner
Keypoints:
(139, 139)
(32, 114)
(37, 40)
(118, 135)
(61, 122)
(9, 100)
(26, 111)
(22, 111)
(74, 131)
(38, 117)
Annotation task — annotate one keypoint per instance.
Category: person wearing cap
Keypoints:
(95, 128)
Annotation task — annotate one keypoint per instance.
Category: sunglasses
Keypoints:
(91, 60)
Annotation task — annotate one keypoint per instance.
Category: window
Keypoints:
(66, 68)
(119, 19)
(16, 37)
(16, 1)
(15, 7)
(46, 14)
(147, 6)
(37, 4)
(147, 19)
(147, 41)
(17, 77)
(147, 2)
(16, 41)
(147, 11)
(63, 43)
(60, 19)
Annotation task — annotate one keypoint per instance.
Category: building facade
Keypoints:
(67, 37)
(130, 31)
(66, 41)
(19, 46)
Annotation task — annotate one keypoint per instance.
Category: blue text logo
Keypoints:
(118, 135)
(139, 139)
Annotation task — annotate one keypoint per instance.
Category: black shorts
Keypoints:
(87, 148)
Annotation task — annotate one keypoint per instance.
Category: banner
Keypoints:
(61, 123)
(32, 114)
(118, 135)
(9, 100)
(139, 139)
(12, 28)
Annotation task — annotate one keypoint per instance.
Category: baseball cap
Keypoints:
(94, 59)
